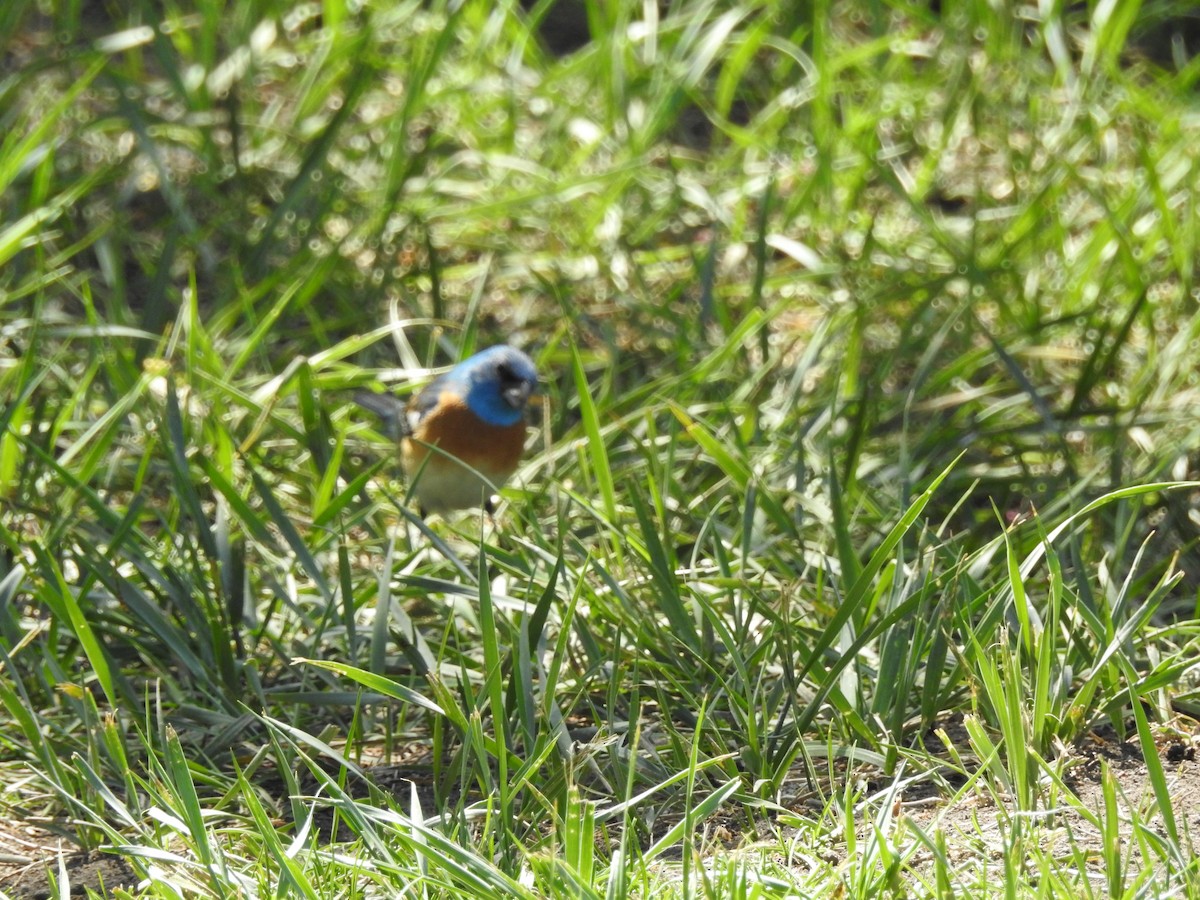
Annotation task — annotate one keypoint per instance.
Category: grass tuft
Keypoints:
(853, 551)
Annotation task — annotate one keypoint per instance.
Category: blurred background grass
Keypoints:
(868, 332)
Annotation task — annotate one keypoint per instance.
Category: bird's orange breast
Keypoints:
(460, 438)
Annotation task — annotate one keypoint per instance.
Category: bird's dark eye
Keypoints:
(506, 373)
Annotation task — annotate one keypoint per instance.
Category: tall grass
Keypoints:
(866, 466)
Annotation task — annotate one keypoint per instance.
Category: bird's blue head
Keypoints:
(497, 384)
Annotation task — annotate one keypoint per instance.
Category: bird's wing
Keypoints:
(426, 400)
(390, 409)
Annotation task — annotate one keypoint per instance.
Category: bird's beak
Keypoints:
(517, 395)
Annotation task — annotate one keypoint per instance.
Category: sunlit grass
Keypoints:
(861, 501)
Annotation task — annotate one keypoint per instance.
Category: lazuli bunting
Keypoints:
(462, 436)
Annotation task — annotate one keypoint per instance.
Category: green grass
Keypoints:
(860, 513)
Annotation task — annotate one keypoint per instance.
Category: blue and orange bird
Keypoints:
(462, 436)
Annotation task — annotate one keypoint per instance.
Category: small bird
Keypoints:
(467, 423)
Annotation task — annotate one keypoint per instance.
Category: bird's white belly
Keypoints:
(443, 485)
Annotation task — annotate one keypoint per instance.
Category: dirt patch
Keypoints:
(33, 860)
(977, 826)
(1127, 767)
